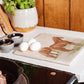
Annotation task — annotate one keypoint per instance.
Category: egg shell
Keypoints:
(36, 46)
(24, 46)
(31, 41)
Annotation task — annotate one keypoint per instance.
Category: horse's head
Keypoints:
(57, 39)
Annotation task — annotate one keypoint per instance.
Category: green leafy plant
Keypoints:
(11, 5)
(77, 48)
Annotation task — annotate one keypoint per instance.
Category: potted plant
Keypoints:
(23, 14)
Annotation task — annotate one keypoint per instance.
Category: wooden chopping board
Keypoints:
(1, 33)
(63, 57)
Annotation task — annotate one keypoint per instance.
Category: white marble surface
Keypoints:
(77, 67)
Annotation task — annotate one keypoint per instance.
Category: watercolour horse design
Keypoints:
(59, 44)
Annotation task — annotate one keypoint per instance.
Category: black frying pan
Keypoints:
(10, 70)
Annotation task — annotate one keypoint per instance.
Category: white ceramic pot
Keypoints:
(1, 1)
(25, 19)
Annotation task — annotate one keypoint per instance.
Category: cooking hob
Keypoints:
(44, 75)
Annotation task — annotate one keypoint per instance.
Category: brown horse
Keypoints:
(59, 44)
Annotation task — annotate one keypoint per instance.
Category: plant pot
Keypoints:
(24, 20)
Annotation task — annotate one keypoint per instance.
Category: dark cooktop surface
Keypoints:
(42, 75)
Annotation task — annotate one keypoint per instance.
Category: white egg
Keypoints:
(36, 46)
(24, 46)
(31, 41)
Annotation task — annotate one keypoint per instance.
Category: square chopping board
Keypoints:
(68, 48)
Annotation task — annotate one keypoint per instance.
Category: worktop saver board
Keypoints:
(58, 49)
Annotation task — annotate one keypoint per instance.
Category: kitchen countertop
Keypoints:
(77, 67)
